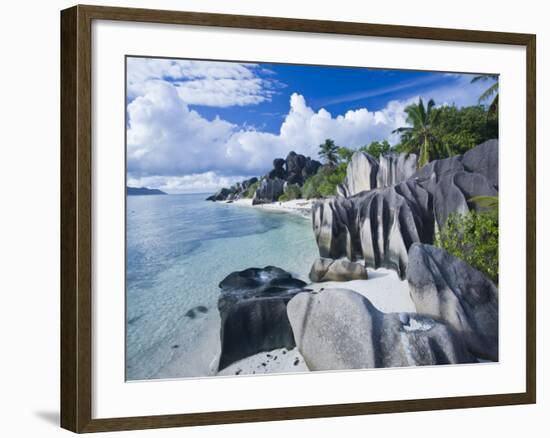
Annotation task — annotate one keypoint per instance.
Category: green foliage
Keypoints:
(489, 202)
(292, 191)
(473, 237)
(345, 154)
(329, 152)
(462, 129)
(419, 136)
(376, 148)
(324, 182)
(251, 190)
(489, 92)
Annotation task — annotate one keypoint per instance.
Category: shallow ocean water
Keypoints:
(179, 247)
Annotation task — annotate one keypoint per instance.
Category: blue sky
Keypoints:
(195, 126)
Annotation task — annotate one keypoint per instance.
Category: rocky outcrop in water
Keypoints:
(295, 169)
(324, 269)
(448, 289)
(340, 329)
(364, 172)
(236, 191)
(252, 306)
(380, 225)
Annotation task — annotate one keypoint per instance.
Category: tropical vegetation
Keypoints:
(473, 237)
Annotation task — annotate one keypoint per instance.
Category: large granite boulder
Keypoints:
(269, 191)
(341, 329)
(361, 174)
(380, 225)
(395, 168)
(364, 172)
(324, 269)
(248, 182)
(310, 168)
(220, 195)
(278, 170)
(252, 306)
(377, 226)
(450, 290)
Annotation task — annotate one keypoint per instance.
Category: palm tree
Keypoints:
(329, 152)
(492, 90)
(419, 137)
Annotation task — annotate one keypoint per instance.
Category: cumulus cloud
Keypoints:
(167, 138)
(172, 147)
(217, 84)
(195, 183)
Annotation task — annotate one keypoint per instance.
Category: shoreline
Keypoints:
(298, 207)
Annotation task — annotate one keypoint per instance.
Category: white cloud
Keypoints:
(166, 138)
(212, 83)
(172, 147)
(196, 183)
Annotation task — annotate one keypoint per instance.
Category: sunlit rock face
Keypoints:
(448, 289)
(379, 225)
(341, 329)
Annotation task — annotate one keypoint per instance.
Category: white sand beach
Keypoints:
(279, 361)
(383, 288)
(301, 207)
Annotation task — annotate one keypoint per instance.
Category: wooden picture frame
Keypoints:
(76, 217)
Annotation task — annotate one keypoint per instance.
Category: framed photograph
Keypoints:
(270, 218)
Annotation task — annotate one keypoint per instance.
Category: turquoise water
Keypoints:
(179, 247)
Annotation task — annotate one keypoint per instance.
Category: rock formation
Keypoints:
(380, 225)
(364, 172)
(234, 192)
(295, 169)
(252, 306)
(340, 329)
(450, 290)
(269, 191)
(324, 269)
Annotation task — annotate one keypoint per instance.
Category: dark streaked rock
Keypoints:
(444, 287)
(269, 191)
(252, 306)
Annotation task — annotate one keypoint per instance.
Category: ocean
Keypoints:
(178, 249)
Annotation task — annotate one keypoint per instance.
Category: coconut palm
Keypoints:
(329, 152)
(419, 137)
(489, 92)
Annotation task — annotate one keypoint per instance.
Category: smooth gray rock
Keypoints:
(450, 290)
(324, 269)
(377, 226)
(395, 168)
(361, 174)
(340, 329)
(483, 159)
(364, 172)
(380, 225)
(252, 306)
(269, 191)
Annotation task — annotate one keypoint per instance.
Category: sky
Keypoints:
(197, 126)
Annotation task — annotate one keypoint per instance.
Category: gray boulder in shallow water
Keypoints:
(324, 269)
(341, 329)
(252, 306)
(448, 289)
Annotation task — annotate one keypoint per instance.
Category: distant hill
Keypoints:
(137, 191)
